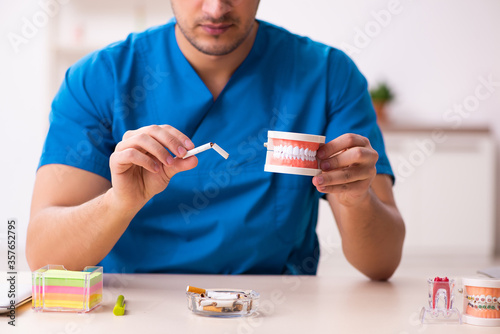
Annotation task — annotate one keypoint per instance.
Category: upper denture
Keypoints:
(293, 152)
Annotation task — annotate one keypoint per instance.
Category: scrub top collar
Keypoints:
(253, 56)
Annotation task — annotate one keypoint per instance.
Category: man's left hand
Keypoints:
(348, 165)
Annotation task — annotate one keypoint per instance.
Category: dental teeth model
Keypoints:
(292, 153)
(481, 301)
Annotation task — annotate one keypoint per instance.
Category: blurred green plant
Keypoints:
(381, 93)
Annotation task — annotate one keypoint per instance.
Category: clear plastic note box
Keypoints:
(223, 303)
(60, 290)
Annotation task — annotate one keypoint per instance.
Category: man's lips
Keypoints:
(216, 29)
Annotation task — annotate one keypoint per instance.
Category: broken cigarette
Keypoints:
(219, 150)
(205, 147)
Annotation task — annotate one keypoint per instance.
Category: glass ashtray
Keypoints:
(223, 302)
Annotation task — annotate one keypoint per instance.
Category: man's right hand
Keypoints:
(71, 206)
(142, 167)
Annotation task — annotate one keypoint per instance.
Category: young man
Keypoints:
(106, 193)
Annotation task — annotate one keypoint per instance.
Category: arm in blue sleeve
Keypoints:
(350, 109)
(80, 132)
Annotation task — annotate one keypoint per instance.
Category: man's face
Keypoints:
(215, 27)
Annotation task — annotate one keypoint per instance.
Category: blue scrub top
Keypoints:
(224, 216)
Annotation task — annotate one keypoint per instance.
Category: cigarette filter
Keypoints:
(195, 290)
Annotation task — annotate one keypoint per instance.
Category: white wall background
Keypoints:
(23, 118)
(432, 52)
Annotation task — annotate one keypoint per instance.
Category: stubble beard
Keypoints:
(217, 50)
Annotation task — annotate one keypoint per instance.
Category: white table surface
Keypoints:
(340, 300)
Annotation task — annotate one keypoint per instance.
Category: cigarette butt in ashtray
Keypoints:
(195, 290)
(205, 147)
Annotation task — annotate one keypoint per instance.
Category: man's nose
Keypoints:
(217, 8)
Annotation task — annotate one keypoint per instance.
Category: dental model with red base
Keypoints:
(292, 153)
(441, 287)
(441, 300)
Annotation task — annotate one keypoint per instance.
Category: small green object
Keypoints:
(381, 93)
(119, 308)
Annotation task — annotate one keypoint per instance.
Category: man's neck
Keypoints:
(215, 71)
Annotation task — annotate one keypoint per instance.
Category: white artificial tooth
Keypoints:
(306, 152)
(296, 150)
(288, 151)
(314, 154)
(282, 155)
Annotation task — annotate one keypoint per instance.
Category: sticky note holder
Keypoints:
(57, 289)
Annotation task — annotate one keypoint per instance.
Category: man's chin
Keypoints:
(210, 49)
